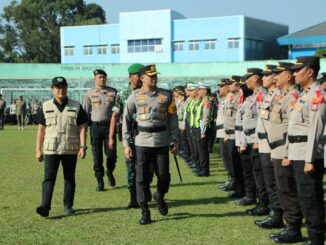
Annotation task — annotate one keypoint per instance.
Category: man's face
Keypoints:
(268, 80)
(282, 78)
(60, 92)
(234, 87)
(303, 75)
(134, 80)
(150, 81)
(100, 80)
(252, 81)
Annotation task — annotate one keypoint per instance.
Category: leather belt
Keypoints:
(262, 136)
(276, 144)
(219, 126)
(249, 132)
(151, 129)
(297, 138)
(238, 128)
(229, 131)
(101, 123)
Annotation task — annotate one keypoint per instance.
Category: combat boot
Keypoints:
(290, 234)
(145, 214)
(100, 185)
(246, 201)
(161, 204)
(274, 220)
(133, 200)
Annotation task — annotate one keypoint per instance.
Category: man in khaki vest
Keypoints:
(21, 112)
(62, 135)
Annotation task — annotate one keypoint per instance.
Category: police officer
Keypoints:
(305, 148)
(229, 185)
(35, 107)
(250, 117)
(21, 112)
(230, 110)
(157, 128)
(116, 122)
(275, 219)
(98, 104)
(203, 118)
(284, 175)
(2, 112)
(62, 132)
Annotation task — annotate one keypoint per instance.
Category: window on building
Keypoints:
(145, 45)
(115, 48)
(102, 49)
(88, 50)
(210, 44)
(69, 50)
(254, 44)
(233, 43)
(193, 45)
(178, 46)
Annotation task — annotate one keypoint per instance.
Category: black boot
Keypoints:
(111, 179)
(246, 201)
(259, 210)
(290, 234)
(100, 185)
(315, 239)
(274, 220)
(161, 204)
(145, 214)
(133, 200)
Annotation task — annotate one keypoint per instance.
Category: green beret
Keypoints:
(134, 68)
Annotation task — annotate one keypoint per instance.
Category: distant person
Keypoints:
(12, 112)
(21, 112)
(34, 110)
(2, 112)
(62, 135)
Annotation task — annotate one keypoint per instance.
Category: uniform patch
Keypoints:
(314, 107)
(207, 104)
(260, 97)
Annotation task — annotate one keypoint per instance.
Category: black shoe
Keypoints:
(161, 205)
(270, 223)
(145, 218)
(100, 185)
(111, 180)
(235, 194)
(246, 201)
(43, 211)
(223, 185)
(289, 234)
(69, 210)
(258, 211)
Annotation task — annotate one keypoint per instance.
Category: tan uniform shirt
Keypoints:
(220, 132)
(307, 121)
(229, 112)
(263, 124)
(98, 104)
(20, 107)
(153, 110)
(278, 121)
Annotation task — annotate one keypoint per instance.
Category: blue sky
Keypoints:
(297, 14)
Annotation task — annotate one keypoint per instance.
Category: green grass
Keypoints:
(199, 212)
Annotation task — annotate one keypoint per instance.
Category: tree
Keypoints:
(320, 53)
(30, 30)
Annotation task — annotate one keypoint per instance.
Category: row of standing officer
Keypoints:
(273, 137)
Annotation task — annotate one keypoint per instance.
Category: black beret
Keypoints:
(59, 82)
(312, 61)
(235, 79)
(99, 72)
(283, 66)
(149, 70)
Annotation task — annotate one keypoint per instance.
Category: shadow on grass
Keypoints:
(88, 211)
(196, 183)
(197, 201)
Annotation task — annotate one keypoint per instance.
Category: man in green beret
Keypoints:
(116, 119)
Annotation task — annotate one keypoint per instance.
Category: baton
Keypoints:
(176, 162)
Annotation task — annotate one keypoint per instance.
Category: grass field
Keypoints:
(199, 212)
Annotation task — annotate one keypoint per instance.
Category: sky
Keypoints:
(297, 14)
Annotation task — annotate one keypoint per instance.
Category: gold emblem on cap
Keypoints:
(153, 68)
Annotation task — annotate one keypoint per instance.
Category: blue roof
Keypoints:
(313, 34)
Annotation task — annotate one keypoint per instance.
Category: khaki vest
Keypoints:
(62, 131)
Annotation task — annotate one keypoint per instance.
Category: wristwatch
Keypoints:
(83, 147)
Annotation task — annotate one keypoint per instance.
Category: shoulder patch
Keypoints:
(260, 97)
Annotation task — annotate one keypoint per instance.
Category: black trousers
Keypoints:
(190, 142)
(258, 175)
(287, 189)
(224, 152)
(99, 140)
(249, 180)
(311, 196)
(195, 146)
(270, 181)
(203, 154)
(211, 137)
(149, 158)
(51, 166)
(2, 119)
(185, 145)
(234, 157)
